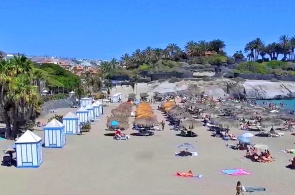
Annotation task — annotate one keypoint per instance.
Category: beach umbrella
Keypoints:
(247, 135)
(186, 146)
(114, 123)
(261, 146)
(244, 139)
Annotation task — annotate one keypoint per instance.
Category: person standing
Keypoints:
(239, 188)
(163, 125)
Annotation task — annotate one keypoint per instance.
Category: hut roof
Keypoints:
(70, 115)
(28, 137)
(54, 123)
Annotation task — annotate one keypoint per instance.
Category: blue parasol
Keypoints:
(114, 123)
(244, 139)
(186, 146)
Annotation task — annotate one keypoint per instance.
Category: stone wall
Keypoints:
(55, 104)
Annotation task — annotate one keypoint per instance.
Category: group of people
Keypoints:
(264, 156)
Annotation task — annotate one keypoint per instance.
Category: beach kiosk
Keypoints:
(54, 134)
(83, 115)
(90, 112)
(96, 110)
(85, 102)
(116, 97)
(100, 104)
(29, 150)
(71, 123)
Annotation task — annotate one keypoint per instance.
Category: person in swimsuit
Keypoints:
(239, 188)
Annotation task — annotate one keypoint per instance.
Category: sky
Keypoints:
(108, 29)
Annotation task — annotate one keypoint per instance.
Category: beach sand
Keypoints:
(96, 164)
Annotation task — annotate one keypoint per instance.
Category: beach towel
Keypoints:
(193, 154)
(235, 172)
(253, 189)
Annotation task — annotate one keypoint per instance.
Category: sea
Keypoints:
(285, 104)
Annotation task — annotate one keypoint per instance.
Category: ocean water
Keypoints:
(289, 104)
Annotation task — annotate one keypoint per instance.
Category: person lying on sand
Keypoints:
(188, 174)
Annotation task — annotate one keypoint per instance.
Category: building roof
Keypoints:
(89, 107)
(70, 115)
(54, 123)
(82, 110)
(94, 104)
(28, 137)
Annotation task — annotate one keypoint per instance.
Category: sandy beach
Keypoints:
(94, 163)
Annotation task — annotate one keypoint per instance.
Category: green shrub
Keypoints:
(57, 117)
(275, 64)
(144, 67)
(253, 67)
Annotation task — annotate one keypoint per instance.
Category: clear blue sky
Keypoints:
(109, 28)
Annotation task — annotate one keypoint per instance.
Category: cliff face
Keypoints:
(269, 90)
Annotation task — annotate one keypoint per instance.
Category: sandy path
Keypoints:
(96, 164)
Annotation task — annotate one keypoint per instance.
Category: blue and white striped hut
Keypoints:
(54, 134)
(116, 97)
(85, 102)
(29, 150)
(83, 115)
(91, 112)
(96, 110)
(71, 123)
(99, 103)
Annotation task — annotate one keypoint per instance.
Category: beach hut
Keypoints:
(85, 102)
(71, 123)
(96, 110)
(116, 97)
(54, 134)
(91, 112)
(83, 115)
(29, 150)
(100, 104)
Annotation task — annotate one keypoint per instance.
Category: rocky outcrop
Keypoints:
(261, 89)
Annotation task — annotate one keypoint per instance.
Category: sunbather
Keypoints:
(188, 174)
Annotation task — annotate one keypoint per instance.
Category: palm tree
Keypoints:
(285, 44)
(216, 45)
(126, 61)
(19, 97)
(149, 56)
(158, 53)
(137, 57)
(173, 51)
(203, 45)
(292, 47)
(193, 49)
(249, 48)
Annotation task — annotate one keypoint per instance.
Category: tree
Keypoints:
(254, 47)
(292, 47)
(173, 51)
(285, 44)
(238, 55)
(19, 97)
(216, 45)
